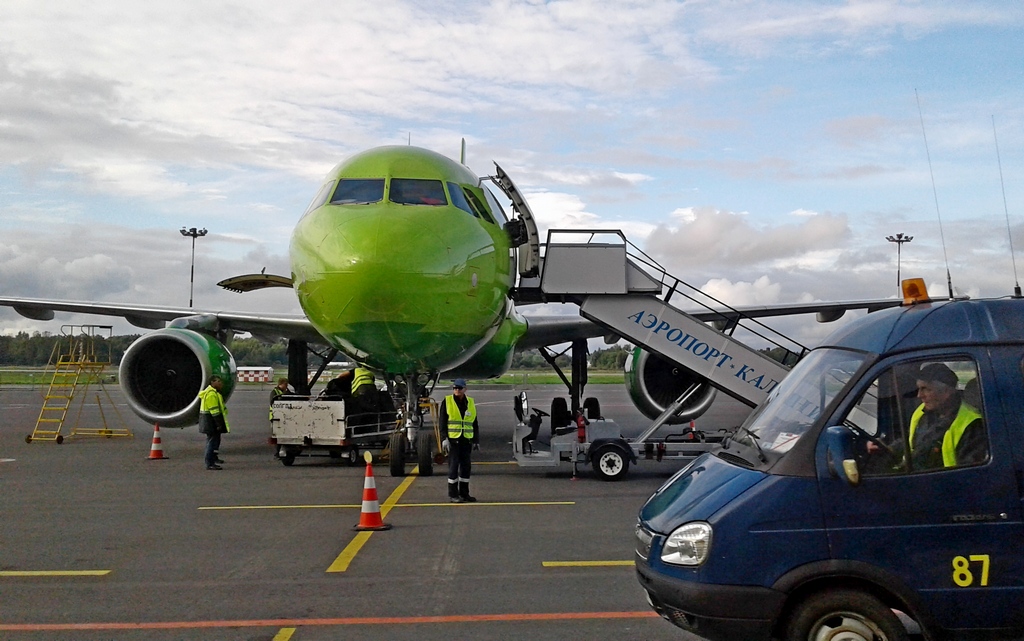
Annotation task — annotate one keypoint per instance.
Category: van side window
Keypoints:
(921, 416)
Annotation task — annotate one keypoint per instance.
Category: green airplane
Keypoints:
(405, 262)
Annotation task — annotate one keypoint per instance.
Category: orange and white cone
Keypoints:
(156, 451)
(369, 516)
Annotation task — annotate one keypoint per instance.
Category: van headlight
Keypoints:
(687, 545)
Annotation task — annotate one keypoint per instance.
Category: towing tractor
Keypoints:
(876, 494)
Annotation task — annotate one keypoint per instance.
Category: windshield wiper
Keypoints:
(754, 438)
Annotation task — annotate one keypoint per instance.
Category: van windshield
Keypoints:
(794, 405)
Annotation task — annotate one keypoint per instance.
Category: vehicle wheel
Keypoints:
(424, 440)
(28, 439)
(60, 439)
(559, 413)
(610, 464)
(397, 443)
(288, 459)
(352, 456)
(850, 615)
(592, 407)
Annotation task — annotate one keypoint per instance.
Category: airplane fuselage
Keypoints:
(401, 262)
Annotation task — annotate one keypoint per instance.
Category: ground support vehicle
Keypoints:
(316, 426)
(834, 513)
(600, 443)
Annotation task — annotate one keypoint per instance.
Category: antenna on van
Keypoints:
(462, 156)
(1016, 283)
(935, 193)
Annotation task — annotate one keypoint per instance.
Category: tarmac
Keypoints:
(99, 542)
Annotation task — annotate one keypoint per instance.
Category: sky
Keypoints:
(759, 150)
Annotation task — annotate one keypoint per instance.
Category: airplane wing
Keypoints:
(541, 330)
(154, 317)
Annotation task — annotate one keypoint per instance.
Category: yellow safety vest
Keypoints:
(964, 417)
(277, 394)
(212, 403)
(459, 425)
(362, 377)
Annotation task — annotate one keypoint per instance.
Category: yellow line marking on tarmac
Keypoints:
(359, 505)
(284, 634)
(585, 564)
(55, 573)
(345, 558)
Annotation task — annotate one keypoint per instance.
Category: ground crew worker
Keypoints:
(279, 390)
(462, 435)
(364, 390)
(213, 420)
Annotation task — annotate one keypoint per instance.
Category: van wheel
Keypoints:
(609, 463)
(844, 614)
(288, 459)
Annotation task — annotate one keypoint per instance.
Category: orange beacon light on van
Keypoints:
(914, 291)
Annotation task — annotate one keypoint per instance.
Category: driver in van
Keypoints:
(944, 430)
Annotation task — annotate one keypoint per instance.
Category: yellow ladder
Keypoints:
(75, 365)
(58, 398)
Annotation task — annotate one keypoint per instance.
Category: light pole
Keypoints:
(899, 239)
(194, 233)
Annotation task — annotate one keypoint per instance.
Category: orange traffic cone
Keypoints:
(369, 517)
(156, 451)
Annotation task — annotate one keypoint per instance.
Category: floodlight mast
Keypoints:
(899, 239)
(193, 233)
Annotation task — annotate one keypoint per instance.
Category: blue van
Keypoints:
(875, 495)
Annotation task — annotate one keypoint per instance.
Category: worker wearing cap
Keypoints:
(944, 430)
(279, 390)
(462, 435)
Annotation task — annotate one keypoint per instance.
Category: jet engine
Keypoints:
(654, 383)
(163, 372)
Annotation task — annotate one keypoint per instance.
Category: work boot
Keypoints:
(464, 493)
(457, 499)
(214, 467)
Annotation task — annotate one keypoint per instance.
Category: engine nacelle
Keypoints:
(654, 383)
(163, 372)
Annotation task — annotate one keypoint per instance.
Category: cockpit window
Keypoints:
(480, 208)
(459, 199)
(495, 205)
(358, 191)
(417, 191)
(320, 198)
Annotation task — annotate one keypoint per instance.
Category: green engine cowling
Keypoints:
(654, 383)
(163, 372)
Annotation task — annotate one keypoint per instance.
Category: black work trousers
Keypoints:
(459, 465)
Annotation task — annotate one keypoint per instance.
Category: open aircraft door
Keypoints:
(523, 230)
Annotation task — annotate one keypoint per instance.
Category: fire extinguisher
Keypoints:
(581, 427)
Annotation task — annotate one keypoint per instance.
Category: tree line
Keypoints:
(35, 350)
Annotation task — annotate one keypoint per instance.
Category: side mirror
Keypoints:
(839, 454)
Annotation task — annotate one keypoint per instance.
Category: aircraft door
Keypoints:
(946, 519)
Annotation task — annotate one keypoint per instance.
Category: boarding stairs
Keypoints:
(77, 365)
(619, 287)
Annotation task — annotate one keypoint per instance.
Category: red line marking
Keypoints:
(291, 623)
